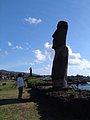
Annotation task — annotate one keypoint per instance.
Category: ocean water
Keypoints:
(84, 87)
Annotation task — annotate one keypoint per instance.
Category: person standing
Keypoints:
(20, 85)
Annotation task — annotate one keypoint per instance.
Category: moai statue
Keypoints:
(60, 62)
(30, 72)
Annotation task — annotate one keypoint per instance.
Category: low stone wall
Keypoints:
(69, 102)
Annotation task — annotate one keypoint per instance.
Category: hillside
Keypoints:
(5, 74)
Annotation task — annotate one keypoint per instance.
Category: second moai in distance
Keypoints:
(60, 62)
(30, 72)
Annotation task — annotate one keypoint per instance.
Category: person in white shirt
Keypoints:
(20, 85)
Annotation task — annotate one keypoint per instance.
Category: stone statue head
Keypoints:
(59, 36)
(62, 25)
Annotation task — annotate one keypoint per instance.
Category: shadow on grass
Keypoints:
(52, 109)
(13, 101)
(46, 109)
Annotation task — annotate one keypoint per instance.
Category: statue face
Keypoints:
(62, 25)
(59, 36)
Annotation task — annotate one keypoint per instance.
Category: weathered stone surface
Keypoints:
(30, 72)
(60, 62)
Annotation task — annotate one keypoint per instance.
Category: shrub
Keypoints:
(3, 84)
(34, 82)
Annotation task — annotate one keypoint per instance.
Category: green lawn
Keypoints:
(13, 109)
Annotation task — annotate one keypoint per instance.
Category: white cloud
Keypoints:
(47, 55)
(73, 55)
(9, 44)
(18, 47)
(49, 52)
(33, 20)
(44, 69)
(38, 61)
(85, 64)
(76, 64)
(75, 60)
(39, 55)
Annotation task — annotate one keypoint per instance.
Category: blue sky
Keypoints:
(26, 28)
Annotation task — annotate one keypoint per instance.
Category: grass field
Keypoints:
(33, 106)
(13, 109)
